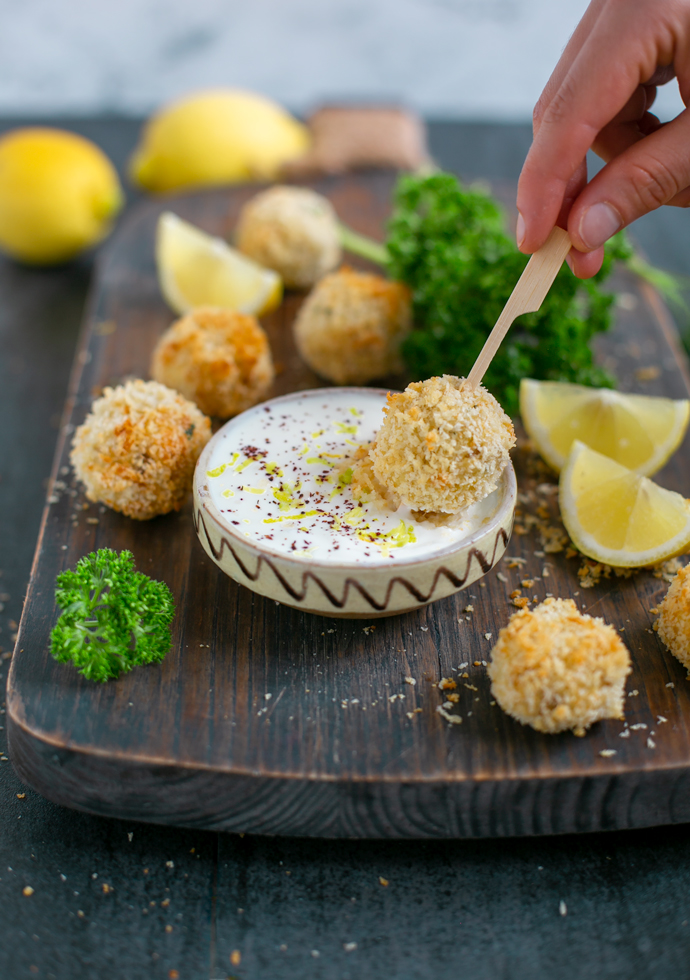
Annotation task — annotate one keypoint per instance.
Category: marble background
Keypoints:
(454, 59)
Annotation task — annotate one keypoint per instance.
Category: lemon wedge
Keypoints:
(618, 517)
(196, 269)
(638, 431)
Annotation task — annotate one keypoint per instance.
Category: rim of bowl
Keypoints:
(507, 482)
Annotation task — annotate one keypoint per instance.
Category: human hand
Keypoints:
(599, 97)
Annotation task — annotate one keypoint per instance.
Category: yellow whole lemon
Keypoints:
(58, 194)
(223, 136)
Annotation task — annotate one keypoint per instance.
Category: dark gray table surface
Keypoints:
(134, 902)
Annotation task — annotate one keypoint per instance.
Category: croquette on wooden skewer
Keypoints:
(442, 446)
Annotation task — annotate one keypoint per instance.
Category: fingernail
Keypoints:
(569, 260)
(520, 230)
(598, 223)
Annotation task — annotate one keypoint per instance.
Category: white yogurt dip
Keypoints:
(278, 474)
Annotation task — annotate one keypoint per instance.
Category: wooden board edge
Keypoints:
(667, 326)
(243, 803)
(64, 433)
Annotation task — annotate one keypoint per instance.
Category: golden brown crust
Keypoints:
(293, 230)
(351, 326)
(365, 485)
(443, 444)
(137, 448)
(219, 359)
(673, 624)
(555, 668)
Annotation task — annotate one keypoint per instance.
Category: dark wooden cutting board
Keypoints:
(268, 720)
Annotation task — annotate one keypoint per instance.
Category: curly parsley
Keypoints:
(448, 243)
(113, 617)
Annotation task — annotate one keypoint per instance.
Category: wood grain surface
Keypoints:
(269, 720)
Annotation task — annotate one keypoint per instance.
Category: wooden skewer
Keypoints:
(527, 297)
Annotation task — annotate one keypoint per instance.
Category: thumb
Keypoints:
(651, 172)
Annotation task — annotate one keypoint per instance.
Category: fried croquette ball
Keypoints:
(555, 668)
(673, 624)
(137, 449)
(293, 230)
(443, 444)
(351, 326)
(364, 484)
(219, 359)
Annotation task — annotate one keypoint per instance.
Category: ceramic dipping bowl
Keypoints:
(273, 509)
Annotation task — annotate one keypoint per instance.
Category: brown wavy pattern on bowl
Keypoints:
(485, 564)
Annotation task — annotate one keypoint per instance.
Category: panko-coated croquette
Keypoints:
(219, 359)
(555, 668)
(673, 624)
(351, 326)
(293, 230)
(137, 449)
(443, 445)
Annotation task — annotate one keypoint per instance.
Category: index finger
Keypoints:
(589, 96)
(570, 52)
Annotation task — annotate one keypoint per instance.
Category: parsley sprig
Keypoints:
(113, 617)
(448, 243)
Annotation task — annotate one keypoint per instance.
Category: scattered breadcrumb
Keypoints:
(650, 373)
(555, 668)
(666, 570)
(351, 326)
(607, 753)
(562, 908)
(410, 680)
(447, 684)
(219, 359)
(137, 449)
(453, 719)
